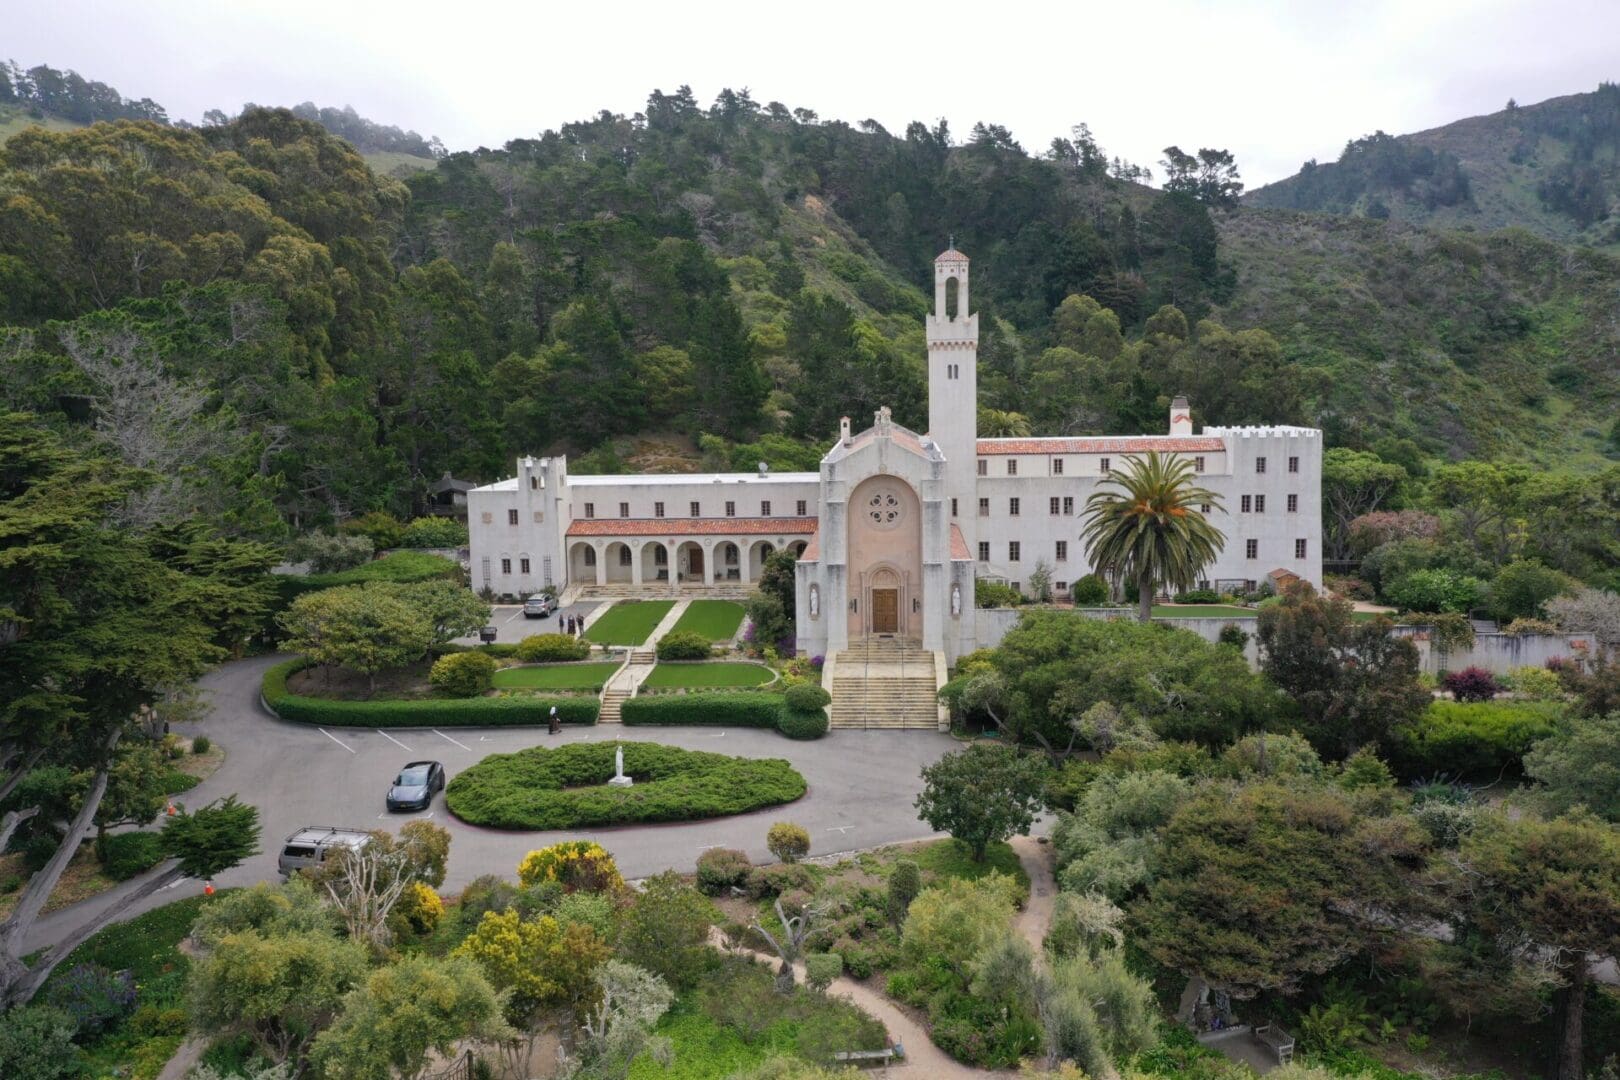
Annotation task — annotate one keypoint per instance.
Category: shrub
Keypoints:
(1471, 684)
(1536, 684)
(807, 697)
(994, 594)
(123, 855)
(385, 530)
(566, 788)
(432, 712)
(1199, 596)
(802, 725)
(574, 864)
(1351, 588)
(462, 675)
(1090, 591)
(787, 841)
(1234, 635)
(731, 709)
(768, 881)
(328, 554)
(1470, 739)
(419, 908)
(551, 648)
(684, 645)
(201, 744)
(719, 869)
(820, 969)
(93, 996)
(1435, 590)
(36, 1043)
(435, 532)
(905, 882)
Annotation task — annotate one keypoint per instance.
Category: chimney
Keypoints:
(1180, 417)
(843, 430)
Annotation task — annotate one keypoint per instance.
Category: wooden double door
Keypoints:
(885, 611)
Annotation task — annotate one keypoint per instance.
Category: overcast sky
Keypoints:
(1276, 83)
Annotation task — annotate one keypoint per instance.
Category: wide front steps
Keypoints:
(612, 699)
(886, 650)
(643, 656)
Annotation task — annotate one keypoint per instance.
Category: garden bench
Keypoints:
(1277, 1040)
(868, 1057)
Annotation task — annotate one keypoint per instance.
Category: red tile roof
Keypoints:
(812, 550)
(959, 548)
(1104, 444)
(750, 526)
(951, 255)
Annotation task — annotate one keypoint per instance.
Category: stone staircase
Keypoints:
(612, 698)
(883, 682)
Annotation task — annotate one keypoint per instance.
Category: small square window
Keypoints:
(1057, 466)
(624, 509)
(696, 510)
(1198, 463)
(1015, 551)
(590, 510)
(1053, 504)
(731, 508)
(1259, 464)
(511, 517)
(1299, 549)
(1012, 506)
(1293, 464)
(1248, 503)
(1068, 505)
(658, 509)
(523, 566)
(1293, 504)
(1062, 551)
(1062, 588)
(765, 508)
(1012, 466)
(984, 467)
(1104, 466)
(1259, 504)
(506, 566)
(1251, 549)
(802, 510)
(984, 507)
(1204, 508)
(984, 551)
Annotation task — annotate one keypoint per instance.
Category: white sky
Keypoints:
(1276, 83)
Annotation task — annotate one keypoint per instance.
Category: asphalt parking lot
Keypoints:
(512, 626)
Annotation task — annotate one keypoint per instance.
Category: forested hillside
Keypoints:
(286, 336)
(1552, 167)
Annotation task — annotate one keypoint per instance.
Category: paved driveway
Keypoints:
(861, 788)
(512, 627)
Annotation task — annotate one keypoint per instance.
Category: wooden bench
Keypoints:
(1276, 1040)
(870, 1057)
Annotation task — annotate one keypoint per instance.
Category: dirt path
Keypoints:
(1036, 917)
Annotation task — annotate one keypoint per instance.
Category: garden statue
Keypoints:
(619, 779)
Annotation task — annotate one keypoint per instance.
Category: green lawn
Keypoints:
(1202, 611)
(629, 622)
(953, 859)
(716, 620)
(556, 676)
(666, 675)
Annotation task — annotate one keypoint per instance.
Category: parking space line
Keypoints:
(335, 739)
(393, 740)
(447, 738)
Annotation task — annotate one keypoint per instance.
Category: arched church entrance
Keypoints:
(885, 559)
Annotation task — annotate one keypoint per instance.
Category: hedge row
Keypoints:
(566, 788)
(722, 708)
(426, 712)
(1475, 740)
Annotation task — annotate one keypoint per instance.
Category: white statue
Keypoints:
(619, 779)
(815, 602)
(956, 601)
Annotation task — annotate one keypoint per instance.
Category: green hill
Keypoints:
(1552, 168)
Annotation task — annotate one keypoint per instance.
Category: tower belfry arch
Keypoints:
(953, 385)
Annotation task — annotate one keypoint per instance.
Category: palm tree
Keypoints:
(1151, 531)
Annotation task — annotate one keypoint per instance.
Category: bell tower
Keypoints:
(953, 387)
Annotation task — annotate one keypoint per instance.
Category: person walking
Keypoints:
(556, 724)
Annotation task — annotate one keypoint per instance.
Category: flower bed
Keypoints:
(514, 711)
(567, 788)
(714, 708)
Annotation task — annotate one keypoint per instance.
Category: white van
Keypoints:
(309, 846)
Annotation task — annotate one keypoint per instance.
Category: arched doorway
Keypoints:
(884, 588)
(619, 558)
(654, 562)
(582, 564)
(885, 559)
(758, 552)
(691, 564)
(728, 562)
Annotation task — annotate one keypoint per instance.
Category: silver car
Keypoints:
(538, 606)
(309, 846)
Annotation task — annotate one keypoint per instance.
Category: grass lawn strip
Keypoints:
(629, 622)
(1202, 611)
(556, 676)
(716, 620)
(566, 788)
(672, 675)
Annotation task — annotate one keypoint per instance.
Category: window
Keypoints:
(1299, 549)
(1103, 467)
(984, 551)
(1198, 463)
(802, 510)
(1053, 504)
(590, 510)
(534, 483)
(506, 566)
(953, 506)
(590, 556)
(1062, 588)
(660, 555)
(1251, 549)
(1248, 503)
(545, 568)
(1016, 586)
(1015, 551)
(523, 565)
(984, 467)
(1293, 504)
(1293, 464)
(1259, 464)
(1203, 508)
(624, 555)
(696, 510)
(1057, 466)
(731, 508)
(765, 508)
(1259, 504)
(1068, 506)
(1012, 466)
(1012, 506)
(511, 517)
(984, 507)
(658, 509)
(1062, 551)
(624, 509)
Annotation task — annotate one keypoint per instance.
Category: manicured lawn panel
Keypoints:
(556, 677)
(670, 675)
(629, 622)
(524, 710)
(1202, 611)
(716, 620)
(566, 788)
(716, 708)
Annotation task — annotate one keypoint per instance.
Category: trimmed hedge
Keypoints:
(566, 788)
(1474, 740)
(551, 648)
(123, 855)
(424, 712)
(802, 725)
(684, 645)
(721, 709)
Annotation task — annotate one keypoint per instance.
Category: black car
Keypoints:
(414, 787)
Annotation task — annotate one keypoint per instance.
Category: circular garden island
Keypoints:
(567, 788)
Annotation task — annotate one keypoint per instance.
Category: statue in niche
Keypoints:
(815, 602)
(956, 600)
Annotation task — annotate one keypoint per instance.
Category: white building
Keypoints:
(896, 526)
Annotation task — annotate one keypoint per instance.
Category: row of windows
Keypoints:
(695, 508)
(1015, 550)
(1105, 465)
(1256, 504)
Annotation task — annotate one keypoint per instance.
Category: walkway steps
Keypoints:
(885, 683)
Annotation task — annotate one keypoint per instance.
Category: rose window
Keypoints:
(883, 509)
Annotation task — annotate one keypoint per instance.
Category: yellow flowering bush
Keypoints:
(544, 964)
(575, 864)
(420, 907)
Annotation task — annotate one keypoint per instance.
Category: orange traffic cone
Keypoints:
(171, 810)
(208, 888)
